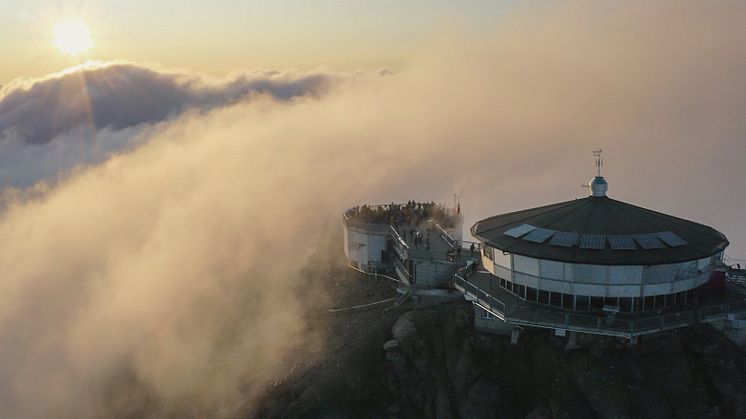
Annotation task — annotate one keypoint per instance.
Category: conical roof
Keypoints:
(599, 230)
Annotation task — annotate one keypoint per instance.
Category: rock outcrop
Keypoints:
(444, 369)
(429, 362)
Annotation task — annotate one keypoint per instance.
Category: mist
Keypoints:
(165, 280)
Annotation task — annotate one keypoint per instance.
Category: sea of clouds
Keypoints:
(155, 224)
(84, 114)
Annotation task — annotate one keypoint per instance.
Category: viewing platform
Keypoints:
(606, 286)
(419, 243)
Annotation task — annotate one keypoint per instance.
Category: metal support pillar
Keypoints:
(514, 336)
(572, 341)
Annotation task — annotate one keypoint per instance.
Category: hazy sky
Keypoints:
(218, 36)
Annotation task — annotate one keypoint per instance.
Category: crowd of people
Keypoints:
(412, 222)
(411, 214)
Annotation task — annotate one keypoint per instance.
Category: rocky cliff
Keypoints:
(428, 362)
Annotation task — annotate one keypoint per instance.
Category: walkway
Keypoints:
(482, 288)
(440, 246)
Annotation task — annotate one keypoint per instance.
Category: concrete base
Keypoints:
(490, 324)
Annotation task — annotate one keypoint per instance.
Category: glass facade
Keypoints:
(596, 304)
(594, 278)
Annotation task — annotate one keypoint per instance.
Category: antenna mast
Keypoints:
(599, 161)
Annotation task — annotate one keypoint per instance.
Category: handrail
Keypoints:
(583, 322)
(400, 266)
(490, 303)
(398, 238)
(730, 259)
(444, 235)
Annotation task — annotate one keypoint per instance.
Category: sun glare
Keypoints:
(72, 37)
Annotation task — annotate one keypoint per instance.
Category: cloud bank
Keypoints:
(122, 94)
(80, 116)
(166, 281)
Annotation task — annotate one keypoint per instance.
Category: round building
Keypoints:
(597, 252)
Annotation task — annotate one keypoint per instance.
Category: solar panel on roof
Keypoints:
(519, 231)
(592, 241)
(621, 242)
(539, 235)
(671, 238)
(648, 241)
(564, 239)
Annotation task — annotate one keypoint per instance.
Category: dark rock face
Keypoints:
(430, 363)
(695, 373)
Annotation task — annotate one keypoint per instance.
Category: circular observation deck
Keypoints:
(593, 252)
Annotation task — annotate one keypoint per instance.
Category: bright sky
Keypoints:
(222, 35)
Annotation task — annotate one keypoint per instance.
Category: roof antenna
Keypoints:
(599, 161)
(457, 201)
(598, 185)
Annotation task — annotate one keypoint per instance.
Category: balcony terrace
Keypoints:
(482, 288)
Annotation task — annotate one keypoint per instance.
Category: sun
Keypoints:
(72, 37)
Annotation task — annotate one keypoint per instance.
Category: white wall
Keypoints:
(526, 265)
(501, 266)
(363, 246)
(503, 259)
(600, 280)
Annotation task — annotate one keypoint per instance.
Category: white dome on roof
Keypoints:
(598, 186)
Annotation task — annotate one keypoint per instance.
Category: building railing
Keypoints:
(450, 241)
(735, 270)
(732, 261)
(609, 325)
(400, 246)
(466, 245)
(402, 270)
(398, 238)
(440, 256)
(483, 298)
(367, 227)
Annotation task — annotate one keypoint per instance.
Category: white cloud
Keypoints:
(82, 115)
(122, 94)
